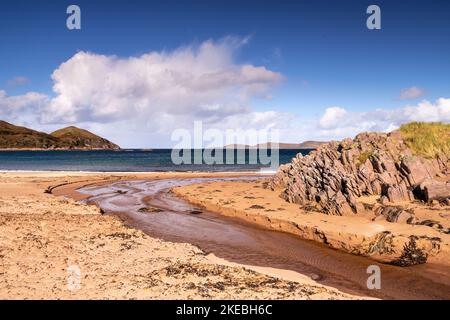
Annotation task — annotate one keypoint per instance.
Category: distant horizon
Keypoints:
(168, 148)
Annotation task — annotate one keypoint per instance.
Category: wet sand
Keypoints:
(151, 207)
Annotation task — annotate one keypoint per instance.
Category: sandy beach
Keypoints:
(52, 247)
(230, 150)
(355, 234)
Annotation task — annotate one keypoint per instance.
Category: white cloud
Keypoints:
(411, 93)
(202, 82)
(338, 123)
(139, 101)
(13, 106)
(332, 117)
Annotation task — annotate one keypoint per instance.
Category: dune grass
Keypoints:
(364, 156)
(427, 139)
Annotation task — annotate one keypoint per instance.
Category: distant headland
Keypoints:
(71, 138)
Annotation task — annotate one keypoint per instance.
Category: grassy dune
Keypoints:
(427, 139)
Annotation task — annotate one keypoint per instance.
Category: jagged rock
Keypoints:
(384, 200)
(417, 170)
(398, 192)
(431, 224)
(434, 190)
(394, 214)
(338, 173)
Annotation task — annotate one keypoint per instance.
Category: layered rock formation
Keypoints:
(333, 177)
(401, 177)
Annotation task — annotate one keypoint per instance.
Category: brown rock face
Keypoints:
(430, 190)
(336, 174)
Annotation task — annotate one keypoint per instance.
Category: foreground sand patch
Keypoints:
(42, 236)
(381, 240)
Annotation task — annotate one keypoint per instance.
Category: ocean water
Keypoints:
(122, 161)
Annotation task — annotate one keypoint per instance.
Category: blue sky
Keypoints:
(322, 50)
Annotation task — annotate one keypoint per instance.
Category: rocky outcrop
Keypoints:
(333, 177)
(431, 190)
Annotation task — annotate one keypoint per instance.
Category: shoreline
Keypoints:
(126, 172)
(65, 172)
(37, 149)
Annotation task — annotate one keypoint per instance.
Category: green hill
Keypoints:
(16, 137)
(73, 137)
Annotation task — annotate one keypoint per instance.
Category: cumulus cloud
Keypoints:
(411, 93)
(13, 106)
(148, 96)
(195, 81)
(332, 117)
(337, 122)
(18, 81)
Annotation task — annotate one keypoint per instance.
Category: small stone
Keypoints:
(315, 277)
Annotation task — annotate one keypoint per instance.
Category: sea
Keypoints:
(131, 160)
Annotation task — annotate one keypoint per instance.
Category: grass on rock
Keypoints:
(427, 139)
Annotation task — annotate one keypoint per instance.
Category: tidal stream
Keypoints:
(170, 218)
